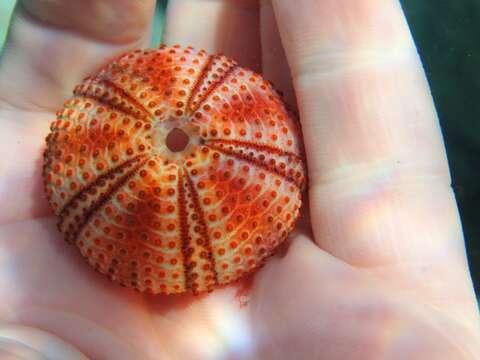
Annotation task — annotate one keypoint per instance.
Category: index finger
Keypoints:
(380, 192)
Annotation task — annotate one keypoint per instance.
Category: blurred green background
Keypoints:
(446, 33)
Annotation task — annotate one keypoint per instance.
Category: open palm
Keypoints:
(377, 270)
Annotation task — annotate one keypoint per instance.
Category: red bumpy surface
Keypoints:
(166, 221)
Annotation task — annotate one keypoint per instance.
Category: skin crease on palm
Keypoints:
(377, 268)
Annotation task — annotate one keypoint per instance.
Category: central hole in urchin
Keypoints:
(177, 140)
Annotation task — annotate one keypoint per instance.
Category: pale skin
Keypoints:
(377, 268)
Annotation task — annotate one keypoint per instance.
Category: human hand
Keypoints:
(378, 269)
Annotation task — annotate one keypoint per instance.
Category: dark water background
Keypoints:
(447, 33)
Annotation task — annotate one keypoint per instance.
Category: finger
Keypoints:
(52, 44)
(227, 26)
(274, 63)
(380, 188)
(22, 342)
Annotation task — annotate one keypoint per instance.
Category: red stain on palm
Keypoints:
(166, 218)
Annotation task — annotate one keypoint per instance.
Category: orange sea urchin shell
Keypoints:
(198, 212)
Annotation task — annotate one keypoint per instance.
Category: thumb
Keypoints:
(23, 342)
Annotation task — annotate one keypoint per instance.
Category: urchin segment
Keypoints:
(172, 169)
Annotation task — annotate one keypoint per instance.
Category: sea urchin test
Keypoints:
(171, 169)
